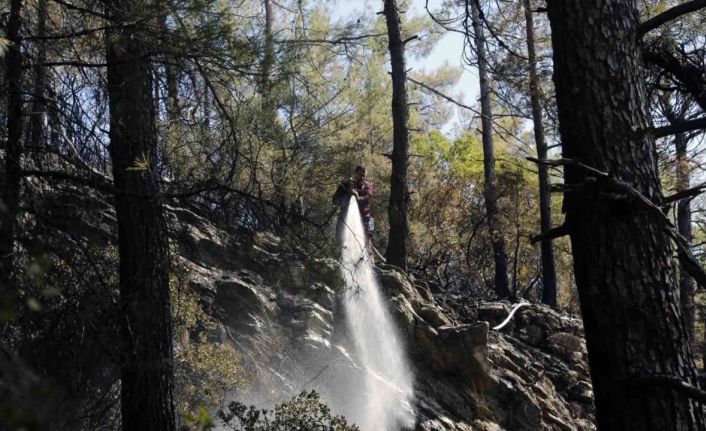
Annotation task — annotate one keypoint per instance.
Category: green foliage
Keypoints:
(59, 348)
(303, 412)
(200, 421)
(205, 372)
(450, 243)
(205, 368)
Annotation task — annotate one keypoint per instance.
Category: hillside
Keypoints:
(281, 311)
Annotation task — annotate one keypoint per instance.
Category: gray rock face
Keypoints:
(282, 312)
(532, 375)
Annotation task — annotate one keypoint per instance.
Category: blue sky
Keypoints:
(447, 50)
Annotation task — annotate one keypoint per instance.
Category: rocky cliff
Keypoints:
(281, 310)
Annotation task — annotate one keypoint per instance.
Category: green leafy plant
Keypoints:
(205, 369)
(303, 412)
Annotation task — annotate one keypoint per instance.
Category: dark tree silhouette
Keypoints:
(13, 147)
(620, 239)
(549, 291)
(396, 253)
(146, 368)
(497, 239)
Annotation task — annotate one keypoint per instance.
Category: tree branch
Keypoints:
(492, 32)
(685, 194)
(669, 15)
(94, 172)
(442, 95)
(680, 127)
(72, 63)
(94, 181)
(663, 53)
(553, 233)
(82, 32)
(674, 383)
(82, 9)
(338, 41)
(409, 39)
(211, 186)
(684, 254)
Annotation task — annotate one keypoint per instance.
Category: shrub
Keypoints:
(205, 369)
(303, 412)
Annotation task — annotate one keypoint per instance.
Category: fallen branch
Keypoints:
(378, 254)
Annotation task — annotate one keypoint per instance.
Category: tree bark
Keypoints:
(38, 118)
(171, 72)
(549, 290)
(683, 207)
(497, 237)
(172, 78)
(686, 283)
(147, 377)
(396, 253)
(622, 253)
(13, 148)
(268, 59)
(269, 113)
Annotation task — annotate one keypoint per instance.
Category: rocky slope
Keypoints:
(281, 310)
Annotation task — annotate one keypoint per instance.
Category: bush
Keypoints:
(303, 412)
(205, 368)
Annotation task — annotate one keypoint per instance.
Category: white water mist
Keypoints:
(385, 402)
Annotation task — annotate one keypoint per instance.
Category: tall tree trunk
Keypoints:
(172, 78)
(686, 283)
(681, 170)
(13, 148)
(549, 290)
(269, 112)
(396, 253)
(622, 252)
(268, 59)
(147, 377)
(38, 118)
(497, 239)
(279, 163)
(171, 73)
